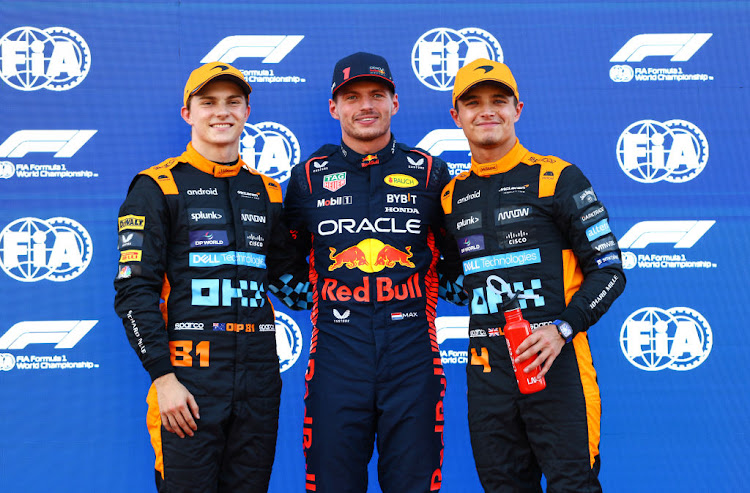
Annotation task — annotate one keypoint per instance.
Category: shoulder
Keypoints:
(161, 174)
(446, 197)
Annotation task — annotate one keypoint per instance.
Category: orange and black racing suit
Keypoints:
(372, 225)
(535, 222)
(205, 239)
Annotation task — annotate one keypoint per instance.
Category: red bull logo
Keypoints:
(384, 290)
(370, 255)
(370, 159)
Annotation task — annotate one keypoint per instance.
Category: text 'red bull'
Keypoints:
(385, 290)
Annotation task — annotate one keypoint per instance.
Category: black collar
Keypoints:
(364, 160)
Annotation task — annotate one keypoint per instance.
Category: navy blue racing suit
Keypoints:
(372, 226)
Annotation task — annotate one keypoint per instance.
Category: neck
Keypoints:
(218, 153)
(367, 147)
(490, 154)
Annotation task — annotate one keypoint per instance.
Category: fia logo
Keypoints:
(288, 341)
(439, 53)
(653, 339)
(56, 58)
(58, 249)
(270, 148)
(649, 151)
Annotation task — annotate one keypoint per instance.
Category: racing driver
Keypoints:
(199, 238)
(536, 223)
(367, 212)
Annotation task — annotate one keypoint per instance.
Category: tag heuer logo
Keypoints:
(334, 181)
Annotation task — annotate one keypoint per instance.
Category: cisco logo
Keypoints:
(56, 58)
(57, 249)
(439, 53)
(654, 339)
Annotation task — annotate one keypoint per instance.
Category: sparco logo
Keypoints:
(58, 249)
(649, 151)
(653, 339)
(56, 58)
(203, 191)
(439, 53)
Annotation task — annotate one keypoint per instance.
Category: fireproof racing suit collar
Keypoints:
(218, 170)
(364, 160)
(505, 163)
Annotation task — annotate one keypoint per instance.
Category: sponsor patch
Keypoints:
(585, 198)
(131, 222)
(502, 261)
(129, 239)
(472, 220)
(609, 259)
(208, 238)
(515, 238)
(214, 259)
(468, 244)
(334, 181)
(206, 216)
(508, 215)
(401, 181)
(130, 256)
(598, 230)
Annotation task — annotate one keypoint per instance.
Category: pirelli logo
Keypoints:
(130, 256)
(131, 222)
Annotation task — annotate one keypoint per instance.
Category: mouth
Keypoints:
(366, 119)
(221, 125)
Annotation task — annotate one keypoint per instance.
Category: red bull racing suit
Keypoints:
(204, 238)
(535, 222)
(372, 227)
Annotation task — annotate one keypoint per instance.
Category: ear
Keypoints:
(395, 105)
(332, 109)
(185, 112)
(456, 120)
(519, 107)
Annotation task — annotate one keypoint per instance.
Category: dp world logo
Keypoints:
(56, 58)
(270, 148)
(675, 151)
(439, 53)
(288, 341)
(58, 249)
(653, 339)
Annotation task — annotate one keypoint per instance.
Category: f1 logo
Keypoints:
(271, 48)
(681, 46)
(63, 333)
(451, 328)
(64, 143)
(684, 234)
(443, 140)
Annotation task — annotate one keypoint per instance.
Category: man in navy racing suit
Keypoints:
(368, 213)
(199, 237)
(535, 222)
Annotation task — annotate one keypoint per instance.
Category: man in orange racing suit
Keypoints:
(535, 222)
(203, 233)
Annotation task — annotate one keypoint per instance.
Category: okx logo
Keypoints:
(649, 151)
(270, 148)
(56, 58)
(58, 249)
(653, 339)
(439, 53)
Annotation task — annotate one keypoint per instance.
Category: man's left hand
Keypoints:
(545, 344)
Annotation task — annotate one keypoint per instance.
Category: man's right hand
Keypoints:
(177, 406)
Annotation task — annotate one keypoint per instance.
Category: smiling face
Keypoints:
(364, 108)
(217, 115)
(487, 113)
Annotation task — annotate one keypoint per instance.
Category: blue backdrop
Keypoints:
(635, 94)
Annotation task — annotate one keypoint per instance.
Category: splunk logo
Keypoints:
(653, 339)
(270, 148)
(58, 249)
(439, 53)
(56, 58)
(649, 151)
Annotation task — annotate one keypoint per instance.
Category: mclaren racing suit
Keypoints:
(199, 236)
(372, 227)
(535, 222)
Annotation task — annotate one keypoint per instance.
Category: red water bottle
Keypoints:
(516, 330)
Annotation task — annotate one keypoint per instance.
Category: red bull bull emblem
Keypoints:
(370, 255)
(370, 159)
